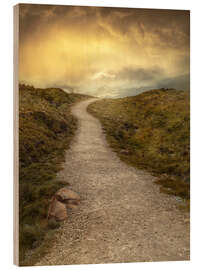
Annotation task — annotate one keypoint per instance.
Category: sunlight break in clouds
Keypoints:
(101, 75)
(104, 51)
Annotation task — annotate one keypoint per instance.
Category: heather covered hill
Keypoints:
(46, 128)
(151, 131)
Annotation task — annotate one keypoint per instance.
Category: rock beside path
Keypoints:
(57, 210)
(123, 216)
(63, 199)
(66, 194)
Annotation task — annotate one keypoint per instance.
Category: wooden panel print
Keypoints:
(102, 135)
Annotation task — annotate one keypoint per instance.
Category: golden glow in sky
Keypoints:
(103, 51)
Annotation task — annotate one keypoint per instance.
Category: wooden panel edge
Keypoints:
(16, 135)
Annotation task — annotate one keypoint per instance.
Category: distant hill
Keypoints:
(151, 131)
(45, 131)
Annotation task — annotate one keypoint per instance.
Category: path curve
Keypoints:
(123, 217)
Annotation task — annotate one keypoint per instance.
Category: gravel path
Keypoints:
(122, 217)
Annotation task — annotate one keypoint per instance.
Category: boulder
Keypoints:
(65, 194)
(57, 210)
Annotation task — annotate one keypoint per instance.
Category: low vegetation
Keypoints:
(151, 131)
(45, 131)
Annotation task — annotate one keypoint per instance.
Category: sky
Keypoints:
(105, 52)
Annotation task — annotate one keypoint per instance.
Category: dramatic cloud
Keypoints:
(103, 51)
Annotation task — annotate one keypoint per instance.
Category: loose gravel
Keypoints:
(122, 216)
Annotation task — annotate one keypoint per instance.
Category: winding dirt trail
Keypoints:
(122, 217)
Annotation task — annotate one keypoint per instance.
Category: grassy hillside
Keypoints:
(45, 131)
(151, 131)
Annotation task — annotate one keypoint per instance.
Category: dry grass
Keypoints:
(151, 131)
(45, 131)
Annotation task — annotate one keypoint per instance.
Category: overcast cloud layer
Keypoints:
(104, 51)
